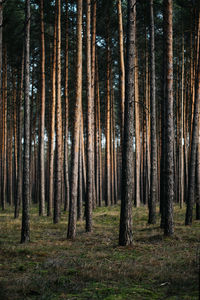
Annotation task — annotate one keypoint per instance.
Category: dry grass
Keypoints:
(94, 266)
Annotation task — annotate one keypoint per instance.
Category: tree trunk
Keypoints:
(58, 160)
(137, 133)
(108, 165)
(25, 230)
(42, 116)
(154, 165)
(52, 130)
(90, 154)
(169, 133)
(126, 233)
(181, 164)
(194, 145)
(80, 179)
(98, 128)
(4, 179)
(76, 130)
(122, 67)
(66, 172)
(19, 143)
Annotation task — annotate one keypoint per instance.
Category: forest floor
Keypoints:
(94, 266)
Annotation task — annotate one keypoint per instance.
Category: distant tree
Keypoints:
(66, 173)
(58, 150)
(18, 199)
(42, 115)
(52, 120)
(153, 180)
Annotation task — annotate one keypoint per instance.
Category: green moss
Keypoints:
(94, 266)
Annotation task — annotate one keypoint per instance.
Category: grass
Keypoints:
(94, 266)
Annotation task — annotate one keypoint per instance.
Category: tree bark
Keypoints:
(66, 172)
(137, 134)
(154, 165)
(25, 230)
(90, 154)
(122, 67)
(126, 233)
(19, 143)
(108, 164)
(76, 130)
(194, 144)
(42, 116)
(58, 165)
(52, 129)
(169, 133)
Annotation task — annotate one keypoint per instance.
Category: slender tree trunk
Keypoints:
(154, 165)
(80, 179)
(10, 156)
(194, 145)
(137, 134)
(198, 179)
(52, 130)
(126, 233)
(108, 166)
(122, 67)
(19, 143)
(76, 130)
(111, 143)
(93, 58)
(58, 160)
(98, 128)
(169, 134)
(1, 99)
(181, 164)
(66, 173)
(25, 230)
(42, 117)
(4, 174)
(90, 154)
(15, 135)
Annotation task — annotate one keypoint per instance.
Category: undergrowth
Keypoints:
(93, 266)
